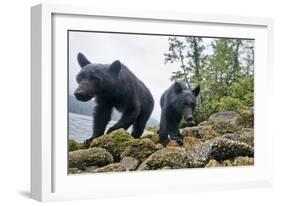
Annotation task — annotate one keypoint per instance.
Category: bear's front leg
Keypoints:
(101, 117)
(127, 119)
(176, 136)
(163, 128)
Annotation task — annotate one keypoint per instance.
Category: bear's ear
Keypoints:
(196, 91)
(115, 67)
(82, 60)
(178, 87)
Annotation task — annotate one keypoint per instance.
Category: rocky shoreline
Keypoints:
(226, 139)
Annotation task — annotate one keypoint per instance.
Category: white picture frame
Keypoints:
(49, 179)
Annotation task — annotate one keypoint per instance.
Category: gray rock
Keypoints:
(225, 122)
(246, 135)
(129, 163)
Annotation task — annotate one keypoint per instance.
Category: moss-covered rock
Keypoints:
(88, 157)
(205, 123)
(173, 157)
(139, 149)
(214, 163)
(239, 161)
(203, 132)
(115, 142)
(172, 143)
(246, 118)
(245, 135)
(155, 138)
(225, 122)
(114, 167)
(159, 146)
(189, 142)
(73, 145)
(74, 171)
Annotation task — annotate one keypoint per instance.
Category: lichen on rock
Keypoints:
(173, 157)
(239, 161)
(202, 132)
(113, 167)
(214, 163)
(223, 149)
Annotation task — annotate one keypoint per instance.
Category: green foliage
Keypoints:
(222, 67)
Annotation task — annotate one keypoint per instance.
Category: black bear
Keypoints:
(113, 86)
(176, 101)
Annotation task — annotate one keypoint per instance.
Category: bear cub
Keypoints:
(176, 102)
(113, 86)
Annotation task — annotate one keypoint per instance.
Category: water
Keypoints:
(80, 127)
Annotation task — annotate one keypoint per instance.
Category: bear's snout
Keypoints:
(81, 97)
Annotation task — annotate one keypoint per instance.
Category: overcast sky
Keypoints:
(143, 55)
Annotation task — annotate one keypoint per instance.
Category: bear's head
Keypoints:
(95, 79)
(185, 100)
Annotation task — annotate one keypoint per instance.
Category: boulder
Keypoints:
(214, 163)
(129, 163)
(115, 142)
(74, 170)
(172, 143)
(189, 142)
(246, 135)
(88, 157)
(246, 118)
(205, 123)
(113, 167)
(225, 122)
(199, 153)
(223, 149)
(139, 149)
(239, 161)
(203, 132)
(159, 146)
(173, 157)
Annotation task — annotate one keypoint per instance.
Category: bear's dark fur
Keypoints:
(176, 102)
(113, 86)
